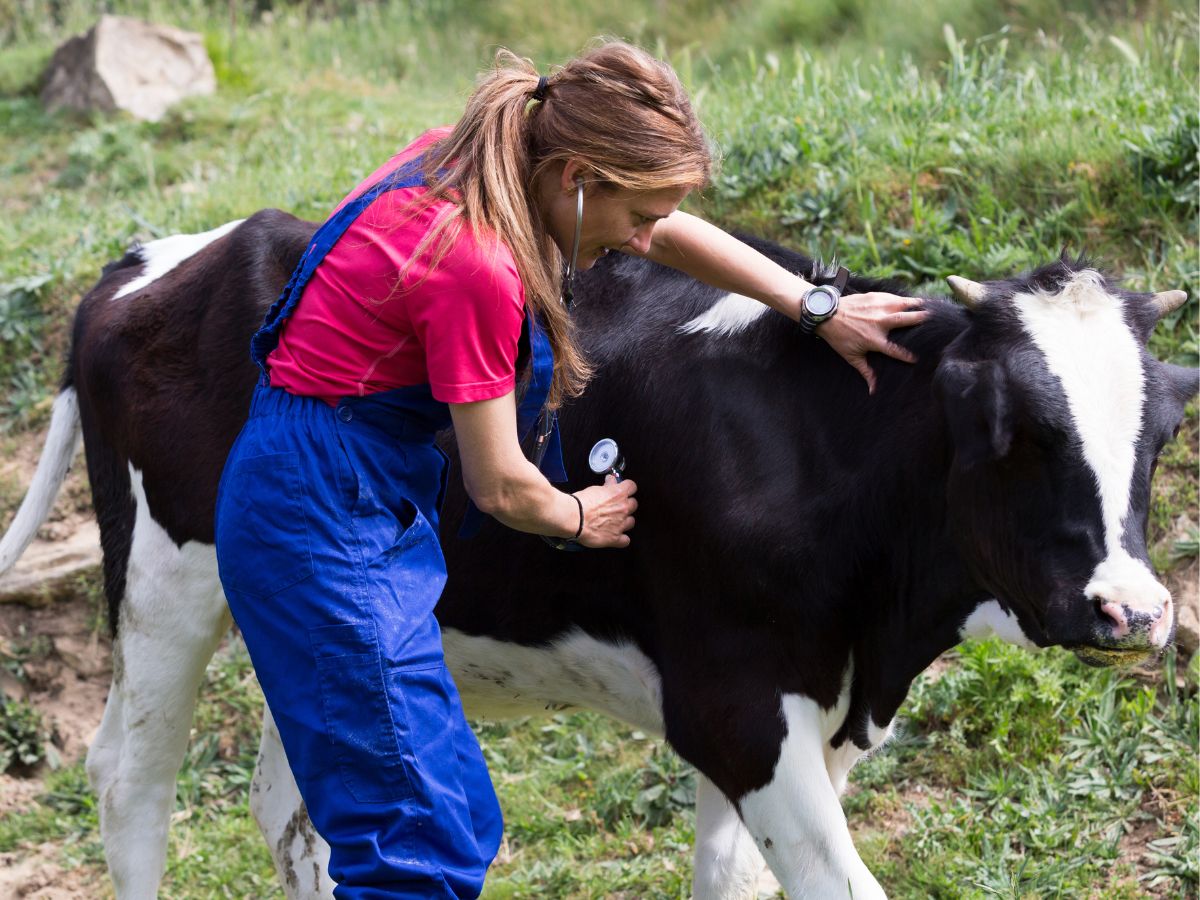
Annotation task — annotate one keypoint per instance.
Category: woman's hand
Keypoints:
(861, 326)
(607, 513)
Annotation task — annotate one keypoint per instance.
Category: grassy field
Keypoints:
(913, 140)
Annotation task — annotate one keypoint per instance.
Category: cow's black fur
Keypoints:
(788, 524)
(164, 379)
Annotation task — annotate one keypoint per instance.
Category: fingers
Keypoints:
(608, 513)
(626, 487)
(906, 319)
(895, 351)
(864, 369)
(890, 302)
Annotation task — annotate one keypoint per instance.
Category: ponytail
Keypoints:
(618, 110)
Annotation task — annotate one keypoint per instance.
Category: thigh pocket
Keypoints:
(359, 719)
(262, 531)
(430, 718)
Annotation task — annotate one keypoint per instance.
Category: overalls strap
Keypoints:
(546, 448)
(267, 337)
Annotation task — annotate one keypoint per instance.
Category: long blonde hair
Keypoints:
(619, 111)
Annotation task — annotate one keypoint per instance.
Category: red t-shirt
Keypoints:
(455, 327)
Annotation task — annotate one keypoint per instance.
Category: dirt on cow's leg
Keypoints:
(171, 619)
(301, 855)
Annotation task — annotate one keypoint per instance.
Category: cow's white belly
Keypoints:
(500, 679)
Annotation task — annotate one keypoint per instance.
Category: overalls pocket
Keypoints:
(430, 717)
(358, 715)
(262, 528)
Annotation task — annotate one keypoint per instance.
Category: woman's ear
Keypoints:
(572, 174)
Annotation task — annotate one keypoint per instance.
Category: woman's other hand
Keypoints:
(861, 326)
(607, 513)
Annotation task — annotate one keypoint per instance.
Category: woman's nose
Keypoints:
(640, 242)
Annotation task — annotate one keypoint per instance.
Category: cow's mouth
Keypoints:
(1111, 657)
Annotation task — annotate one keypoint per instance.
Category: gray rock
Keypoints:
(1187, 599)
(1183, 580)
(87, 657)
(50, 570)
(124, 63)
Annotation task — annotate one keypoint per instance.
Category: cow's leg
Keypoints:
(170, 620)
(728, 865)
(797, 821)
(301, 855)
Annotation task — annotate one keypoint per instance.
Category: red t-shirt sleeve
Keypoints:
(467, 316)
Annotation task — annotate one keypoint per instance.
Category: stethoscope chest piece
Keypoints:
(605, 458)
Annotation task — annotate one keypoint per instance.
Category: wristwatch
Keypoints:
(820, 303)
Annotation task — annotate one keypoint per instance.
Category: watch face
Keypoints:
(819, 302)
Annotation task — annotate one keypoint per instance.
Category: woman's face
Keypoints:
(613, 219)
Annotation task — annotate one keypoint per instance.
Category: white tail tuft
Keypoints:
(62, 443)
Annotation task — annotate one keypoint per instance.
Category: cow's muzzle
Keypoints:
(1132, 614)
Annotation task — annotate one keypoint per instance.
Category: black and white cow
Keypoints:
(803, 550)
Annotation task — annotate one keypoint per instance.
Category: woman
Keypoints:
(406, 315)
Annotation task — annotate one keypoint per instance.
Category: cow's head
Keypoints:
(1057, 415)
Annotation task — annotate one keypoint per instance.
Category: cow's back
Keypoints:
(160, 360)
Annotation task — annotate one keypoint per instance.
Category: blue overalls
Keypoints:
(327, 544)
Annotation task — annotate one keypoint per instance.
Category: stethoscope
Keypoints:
(605, 456)
(605, 459)
(568, 289)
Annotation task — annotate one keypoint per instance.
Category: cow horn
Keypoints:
(1169, 301)
(970, 293)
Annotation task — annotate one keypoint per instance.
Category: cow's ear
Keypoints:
(978, 410)
(1184, 381)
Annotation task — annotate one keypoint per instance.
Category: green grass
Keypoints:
(1014, 774)
(1038, 767)
(866, 130)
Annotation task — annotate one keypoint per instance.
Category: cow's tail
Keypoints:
(62, 443)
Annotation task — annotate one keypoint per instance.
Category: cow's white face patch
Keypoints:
(500, 679)
(160, 257)
(1088, 345)
(729, 315)
(1083, 335)
(991, 618)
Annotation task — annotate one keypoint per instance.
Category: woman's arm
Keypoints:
(715, 257)
(507, 486)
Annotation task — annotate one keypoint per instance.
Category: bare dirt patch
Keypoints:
(62, 656)
(39, 876)
(65, 667)
(74, 504)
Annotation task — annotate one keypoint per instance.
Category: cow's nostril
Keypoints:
(1113, 615)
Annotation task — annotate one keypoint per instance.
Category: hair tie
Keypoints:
(539, 92)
